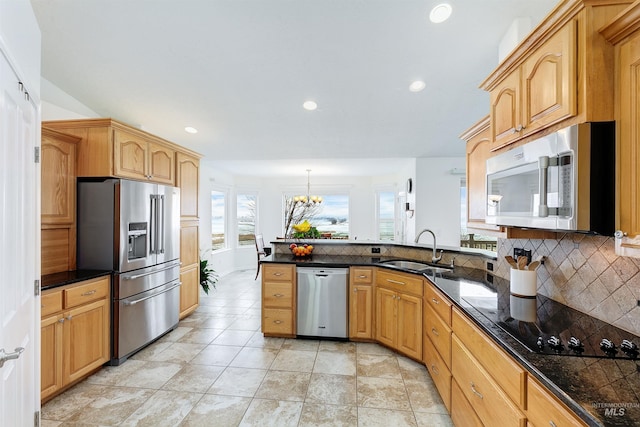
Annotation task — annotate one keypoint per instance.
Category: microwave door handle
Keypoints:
(543, 167)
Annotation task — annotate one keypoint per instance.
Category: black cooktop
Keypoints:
(546, 326)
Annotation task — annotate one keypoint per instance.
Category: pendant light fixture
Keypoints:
(308, 199)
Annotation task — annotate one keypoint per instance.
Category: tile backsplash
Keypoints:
(584, 272)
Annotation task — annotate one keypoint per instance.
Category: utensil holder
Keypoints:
(523, 282)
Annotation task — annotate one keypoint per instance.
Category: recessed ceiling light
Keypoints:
(417, 86)
(440, 13)
(190, 129)
(309, 105)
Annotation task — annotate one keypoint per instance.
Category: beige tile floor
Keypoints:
(216, 369)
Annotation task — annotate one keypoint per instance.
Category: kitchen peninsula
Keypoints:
(479, 343)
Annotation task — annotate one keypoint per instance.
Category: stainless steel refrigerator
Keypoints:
(133, 229)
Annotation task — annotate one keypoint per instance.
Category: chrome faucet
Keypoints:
(434, 258)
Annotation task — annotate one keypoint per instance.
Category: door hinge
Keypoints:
(36, 154)
(36, 419)
(36, 287)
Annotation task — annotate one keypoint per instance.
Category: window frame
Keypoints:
(255, 224)
(378, 193)
(225, 226)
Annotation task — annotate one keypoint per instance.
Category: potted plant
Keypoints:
(208, 276)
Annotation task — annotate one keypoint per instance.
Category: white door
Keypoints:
(19, 252)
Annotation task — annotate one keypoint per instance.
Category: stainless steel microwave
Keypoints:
(562, 181)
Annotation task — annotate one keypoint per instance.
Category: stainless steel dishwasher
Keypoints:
(322, 302)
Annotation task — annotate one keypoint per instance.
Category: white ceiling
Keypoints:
(239, 71)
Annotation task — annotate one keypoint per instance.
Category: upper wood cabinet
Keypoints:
(624, 33)
(187, 179)
(112, 148)
(138, 158)
(478, 151)
(559, 75)
(58, 173)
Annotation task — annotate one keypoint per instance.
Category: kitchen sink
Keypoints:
(415, 266)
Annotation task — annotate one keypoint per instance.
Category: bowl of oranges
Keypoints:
(301, 250)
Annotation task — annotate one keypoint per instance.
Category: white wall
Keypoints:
(438, 199)
(21, 41)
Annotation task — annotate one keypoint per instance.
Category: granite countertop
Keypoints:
(602, 391)
(54, 280)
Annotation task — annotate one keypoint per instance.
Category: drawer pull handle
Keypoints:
(435, 332)
(355, 290)
(277, 322)
(69, 317)
(61, 320)
(476, 392)
(552, 424)
(89, 293)
(434, 369)
(396, 282)
(277, 273)
(278, 295)
(435, 301)
(362, 276)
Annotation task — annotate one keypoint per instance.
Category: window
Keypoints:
(218, 225)
(386, 215)
(331, 217)
(468, 238)
(246, 218)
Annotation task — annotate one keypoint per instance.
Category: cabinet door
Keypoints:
(161, 164)
(360, 312)
(187, 180)
(629, 127)
(58, 193)
(549, 81)
(410, 326)
(86, 339)
(386, 327)
(505, 107)
(130, 155)
(189, 290)
(478, 151)
(50, 355)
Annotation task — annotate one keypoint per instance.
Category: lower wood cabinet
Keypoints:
(439, 371)
(399, 312)
(74, 333)
(278, 300)
(361, 303)
(189, 268)
(490, 403)
(544, 409)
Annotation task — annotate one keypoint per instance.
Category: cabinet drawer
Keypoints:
(404, 283)
(277, 321)
(492, 406)
(50, 302)
(278, 272)
(462, 413)
(506, 372)
(361, 275)
(86, 292)
(438, 302)
(439, 333)
(278, 294)
(439, 372)
(544, 409)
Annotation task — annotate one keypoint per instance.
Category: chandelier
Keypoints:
(308, 199)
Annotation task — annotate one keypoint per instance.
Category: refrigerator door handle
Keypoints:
(161, 214)
(153, 225)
